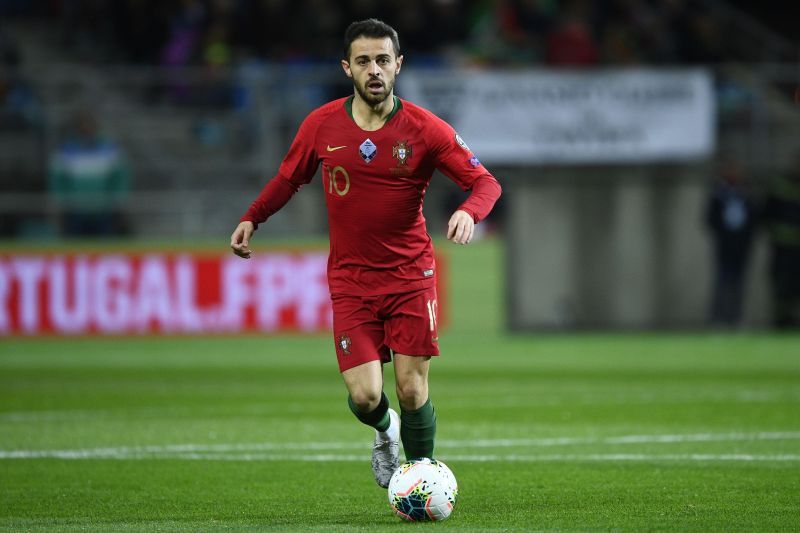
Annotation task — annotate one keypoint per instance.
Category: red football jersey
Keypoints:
(374, 184)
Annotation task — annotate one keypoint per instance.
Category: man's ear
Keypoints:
(399, 64)
(346, 68)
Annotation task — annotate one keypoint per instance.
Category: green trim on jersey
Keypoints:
(398, 105)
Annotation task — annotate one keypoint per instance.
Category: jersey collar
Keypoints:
(348, 105)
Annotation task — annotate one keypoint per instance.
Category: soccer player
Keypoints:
(378, 153)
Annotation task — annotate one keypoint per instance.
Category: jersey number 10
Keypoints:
(338, 180)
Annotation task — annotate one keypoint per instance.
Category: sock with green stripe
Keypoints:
(418, 431)
(377, 418)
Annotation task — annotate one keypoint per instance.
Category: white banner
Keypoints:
(565, 117)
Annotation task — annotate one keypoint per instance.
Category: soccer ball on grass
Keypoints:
(422, 490)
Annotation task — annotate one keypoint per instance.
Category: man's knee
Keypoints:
(412, 392)
(366, 399)
(365, 385)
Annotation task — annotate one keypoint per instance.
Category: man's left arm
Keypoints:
(457, 162)
(483, 195)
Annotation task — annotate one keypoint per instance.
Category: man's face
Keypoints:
(372, 66)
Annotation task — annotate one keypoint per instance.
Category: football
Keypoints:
(423, 490)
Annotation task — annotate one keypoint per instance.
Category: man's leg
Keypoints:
(358, 337)
(371, 406)
(418, 418)
(367, 400)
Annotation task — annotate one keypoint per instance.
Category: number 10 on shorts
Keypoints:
(433, 311)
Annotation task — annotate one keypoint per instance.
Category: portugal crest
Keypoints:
(344, 343)
(401, 151)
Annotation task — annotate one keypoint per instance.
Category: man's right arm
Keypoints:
(240, 239)
(297, 169)
(275, 194)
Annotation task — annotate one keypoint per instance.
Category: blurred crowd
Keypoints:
(735, 212)
(500, 32)
(19, 105)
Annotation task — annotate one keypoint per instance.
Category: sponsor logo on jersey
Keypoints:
(344, 343)
(368, 150)
(334, 148)
(401, 151)
(474, 163)
(461, 142)
(427, 273)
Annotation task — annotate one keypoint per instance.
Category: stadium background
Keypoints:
(202, 99)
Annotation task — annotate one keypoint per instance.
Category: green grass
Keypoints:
(638, 432)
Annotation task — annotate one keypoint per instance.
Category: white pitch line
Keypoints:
(613, 457)
(626, 439)
(246, 449)
(266, 457)
(475, 443)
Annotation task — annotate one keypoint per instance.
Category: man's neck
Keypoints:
(369, 117)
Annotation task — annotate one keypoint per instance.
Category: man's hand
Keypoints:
(240, 239)
(461, 227)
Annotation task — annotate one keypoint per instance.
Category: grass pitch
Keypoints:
(544, 432)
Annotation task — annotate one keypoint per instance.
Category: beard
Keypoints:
(371, 98)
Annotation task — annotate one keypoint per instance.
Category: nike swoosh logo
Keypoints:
(334, 148)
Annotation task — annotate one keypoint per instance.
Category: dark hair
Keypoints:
(372, 29)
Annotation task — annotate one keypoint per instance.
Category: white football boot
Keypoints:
(386, 451)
